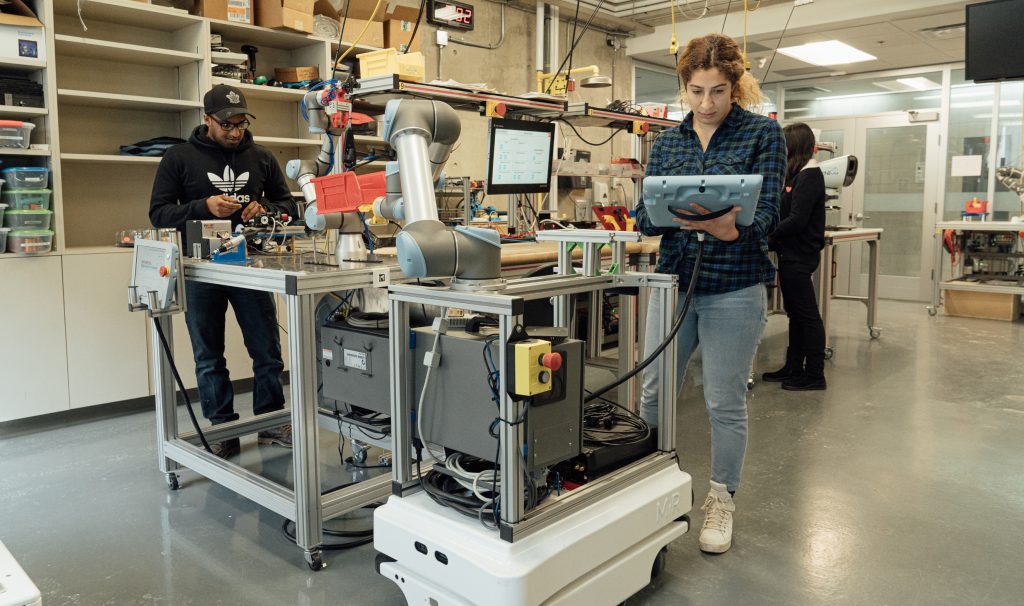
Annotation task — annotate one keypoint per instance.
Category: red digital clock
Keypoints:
(447, 13)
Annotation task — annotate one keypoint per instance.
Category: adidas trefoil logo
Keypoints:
(233, 97)
(228, 182)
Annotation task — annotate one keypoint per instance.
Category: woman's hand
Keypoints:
(723, 228)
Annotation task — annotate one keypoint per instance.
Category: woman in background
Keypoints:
(798, 241)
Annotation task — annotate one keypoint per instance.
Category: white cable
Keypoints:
(423, 393)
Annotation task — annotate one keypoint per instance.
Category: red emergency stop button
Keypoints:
(552, 361)
(164, 270)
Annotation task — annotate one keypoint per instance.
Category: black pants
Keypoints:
(257, 317)
(806, 330)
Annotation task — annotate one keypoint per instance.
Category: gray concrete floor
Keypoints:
(901, 484)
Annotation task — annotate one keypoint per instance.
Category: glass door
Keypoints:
(896, 189)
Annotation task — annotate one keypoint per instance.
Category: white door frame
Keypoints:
(915, 288)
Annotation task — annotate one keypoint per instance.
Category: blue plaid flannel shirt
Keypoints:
(745, 144)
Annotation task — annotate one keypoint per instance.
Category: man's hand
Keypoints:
(253, 209)
(222, 206)
(723, 228)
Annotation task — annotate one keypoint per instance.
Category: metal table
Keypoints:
(301, 282)
(826, 274)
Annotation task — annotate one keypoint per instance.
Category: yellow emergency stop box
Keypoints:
(531, 378)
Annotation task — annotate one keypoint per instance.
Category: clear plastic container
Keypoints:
(27, 177)
(30, 241)
(27, 199)
(28, 219)
(15, 133)
(3, 209)
(3, 239)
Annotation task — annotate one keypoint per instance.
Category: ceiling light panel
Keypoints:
(830, 52)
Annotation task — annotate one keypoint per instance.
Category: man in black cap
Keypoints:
(221, 174)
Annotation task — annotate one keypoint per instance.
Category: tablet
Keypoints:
(666, 198)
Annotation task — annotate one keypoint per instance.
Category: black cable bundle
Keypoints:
(609, 424)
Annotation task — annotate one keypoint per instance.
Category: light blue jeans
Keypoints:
(728, 328)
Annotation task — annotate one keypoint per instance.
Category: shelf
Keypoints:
(22, 112)
(369, 140)
(22, 64)
(287, 142)
(110, 159)
(125, 53)
(263, 36)
(356, 48)
(269, 93)
(126, 12)
(97, 250)
(14, 151)
(117, 101)
(966, 286)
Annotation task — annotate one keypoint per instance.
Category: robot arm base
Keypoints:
(429, 249)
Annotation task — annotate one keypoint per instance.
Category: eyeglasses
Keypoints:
(230, 126)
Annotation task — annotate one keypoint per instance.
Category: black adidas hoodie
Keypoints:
(191, 172)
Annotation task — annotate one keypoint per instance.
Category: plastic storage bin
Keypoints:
(3, 209)
(15, 133)
(3, 239)
(408, 66)
(26, 177)
(29, 241)
(28, 219)
(27, 199)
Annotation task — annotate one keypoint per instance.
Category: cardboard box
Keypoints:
(295, 15)
(985, 305)
(235, 11)
(21, 33)
(397, 34)
(374, 35)
(406, 10)
(296, 74)
(362, 9)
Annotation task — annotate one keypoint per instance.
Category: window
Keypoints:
(656, 86)
(970, 128)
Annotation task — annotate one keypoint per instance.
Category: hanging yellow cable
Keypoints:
(746, 61)
(673, 45)
(361, 33)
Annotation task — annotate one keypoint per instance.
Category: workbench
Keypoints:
(301, 282)
(827, 273)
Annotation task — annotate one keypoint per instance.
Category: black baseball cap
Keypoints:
(223, 101)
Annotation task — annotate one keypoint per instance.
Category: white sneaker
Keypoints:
(716, 533)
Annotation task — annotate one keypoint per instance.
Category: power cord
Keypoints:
(672, 334)
(181, 385)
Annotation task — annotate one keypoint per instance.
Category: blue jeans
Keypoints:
(728, 328)
(257, 317)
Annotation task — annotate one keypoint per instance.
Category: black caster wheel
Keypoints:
(875, 333)
(932, 311)
(659, 563)
(172, 481)
(359, 452)
(314, 561)
(828, 353)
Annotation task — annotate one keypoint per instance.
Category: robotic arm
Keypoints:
(1013, 180)
(422, 134)
(329, 113)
